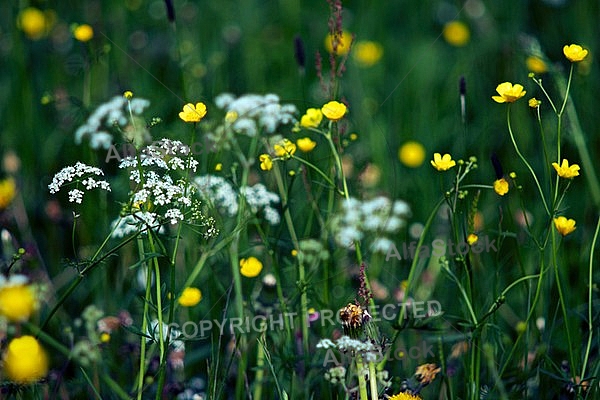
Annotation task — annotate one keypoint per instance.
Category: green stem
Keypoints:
(562, 301)
(147, 297)
(512, 138)
(590, 303)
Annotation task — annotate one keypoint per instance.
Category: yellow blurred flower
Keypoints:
(285, 148)
(128, 94)
(575, 52)
(266, 163)
(250, 267)
(231, 117)
(306, 144)
(536, 65)
(472, 239)
(17, 302)
(193, 113)
(34, 23)
(367, 53)
(534, 103)
(190, 297)
(334, 110)
(83, 33)
(501, 186)
(508, 92)
(25, 361)
(218, 167)
(8, 190)
(564, 226)
(566, 171)
(456, 33)
(412, 154)
(343, 43)
(404, 396)
(105, 337)
(442, 163)
(312, 118)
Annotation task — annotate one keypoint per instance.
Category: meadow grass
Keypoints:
(226, 259)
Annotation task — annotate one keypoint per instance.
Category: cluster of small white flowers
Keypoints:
(259, 198)
(79, 173)
(156, 186)
(221, 194)
(133, 223)
(218, 192)
(254, 112)
(164, 154)
(378, 217)
(345, 343)
(105, 117)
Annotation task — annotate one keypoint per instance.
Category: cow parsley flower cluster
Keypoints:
(376, 219)
(113, 113)
(222, 195)
(80, 175)
(159, 197)
(219, 193)
(260, 199)
(250, 113)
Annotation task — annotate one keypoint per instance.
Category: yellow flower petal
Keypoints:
(306, 144)
(25, 361)
(17, 302)
(312, 118)
(442, 163)
(412, 154)
(83, 33)
(190, 297)
(334, 110)
(564, 226)
(575, 52)
(508, 92)
(501, 186)
(250, 267)
(193, 113)
(566, 171)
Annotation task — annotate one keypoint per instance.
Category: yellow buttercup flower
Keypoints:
(266, 163)
(218, 167)
(8, 191)
(501, 186)
(404, 396)
(456, 33)
(190, 297)
(334, 110)
(412, 154)
(193, 113)
(312, 118)
(536, 65)
(442, 163)
(472, 239)
(284, 148)
(33, 22)
(25, 361)
(566, 171)
(250, 267)
(534, 103)
(128, 94)
(306, 144)
(575, 52)
(367, 53)
(564, 226)
(343, 41)
(83, 33)
(508, 92)
(17, 302)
